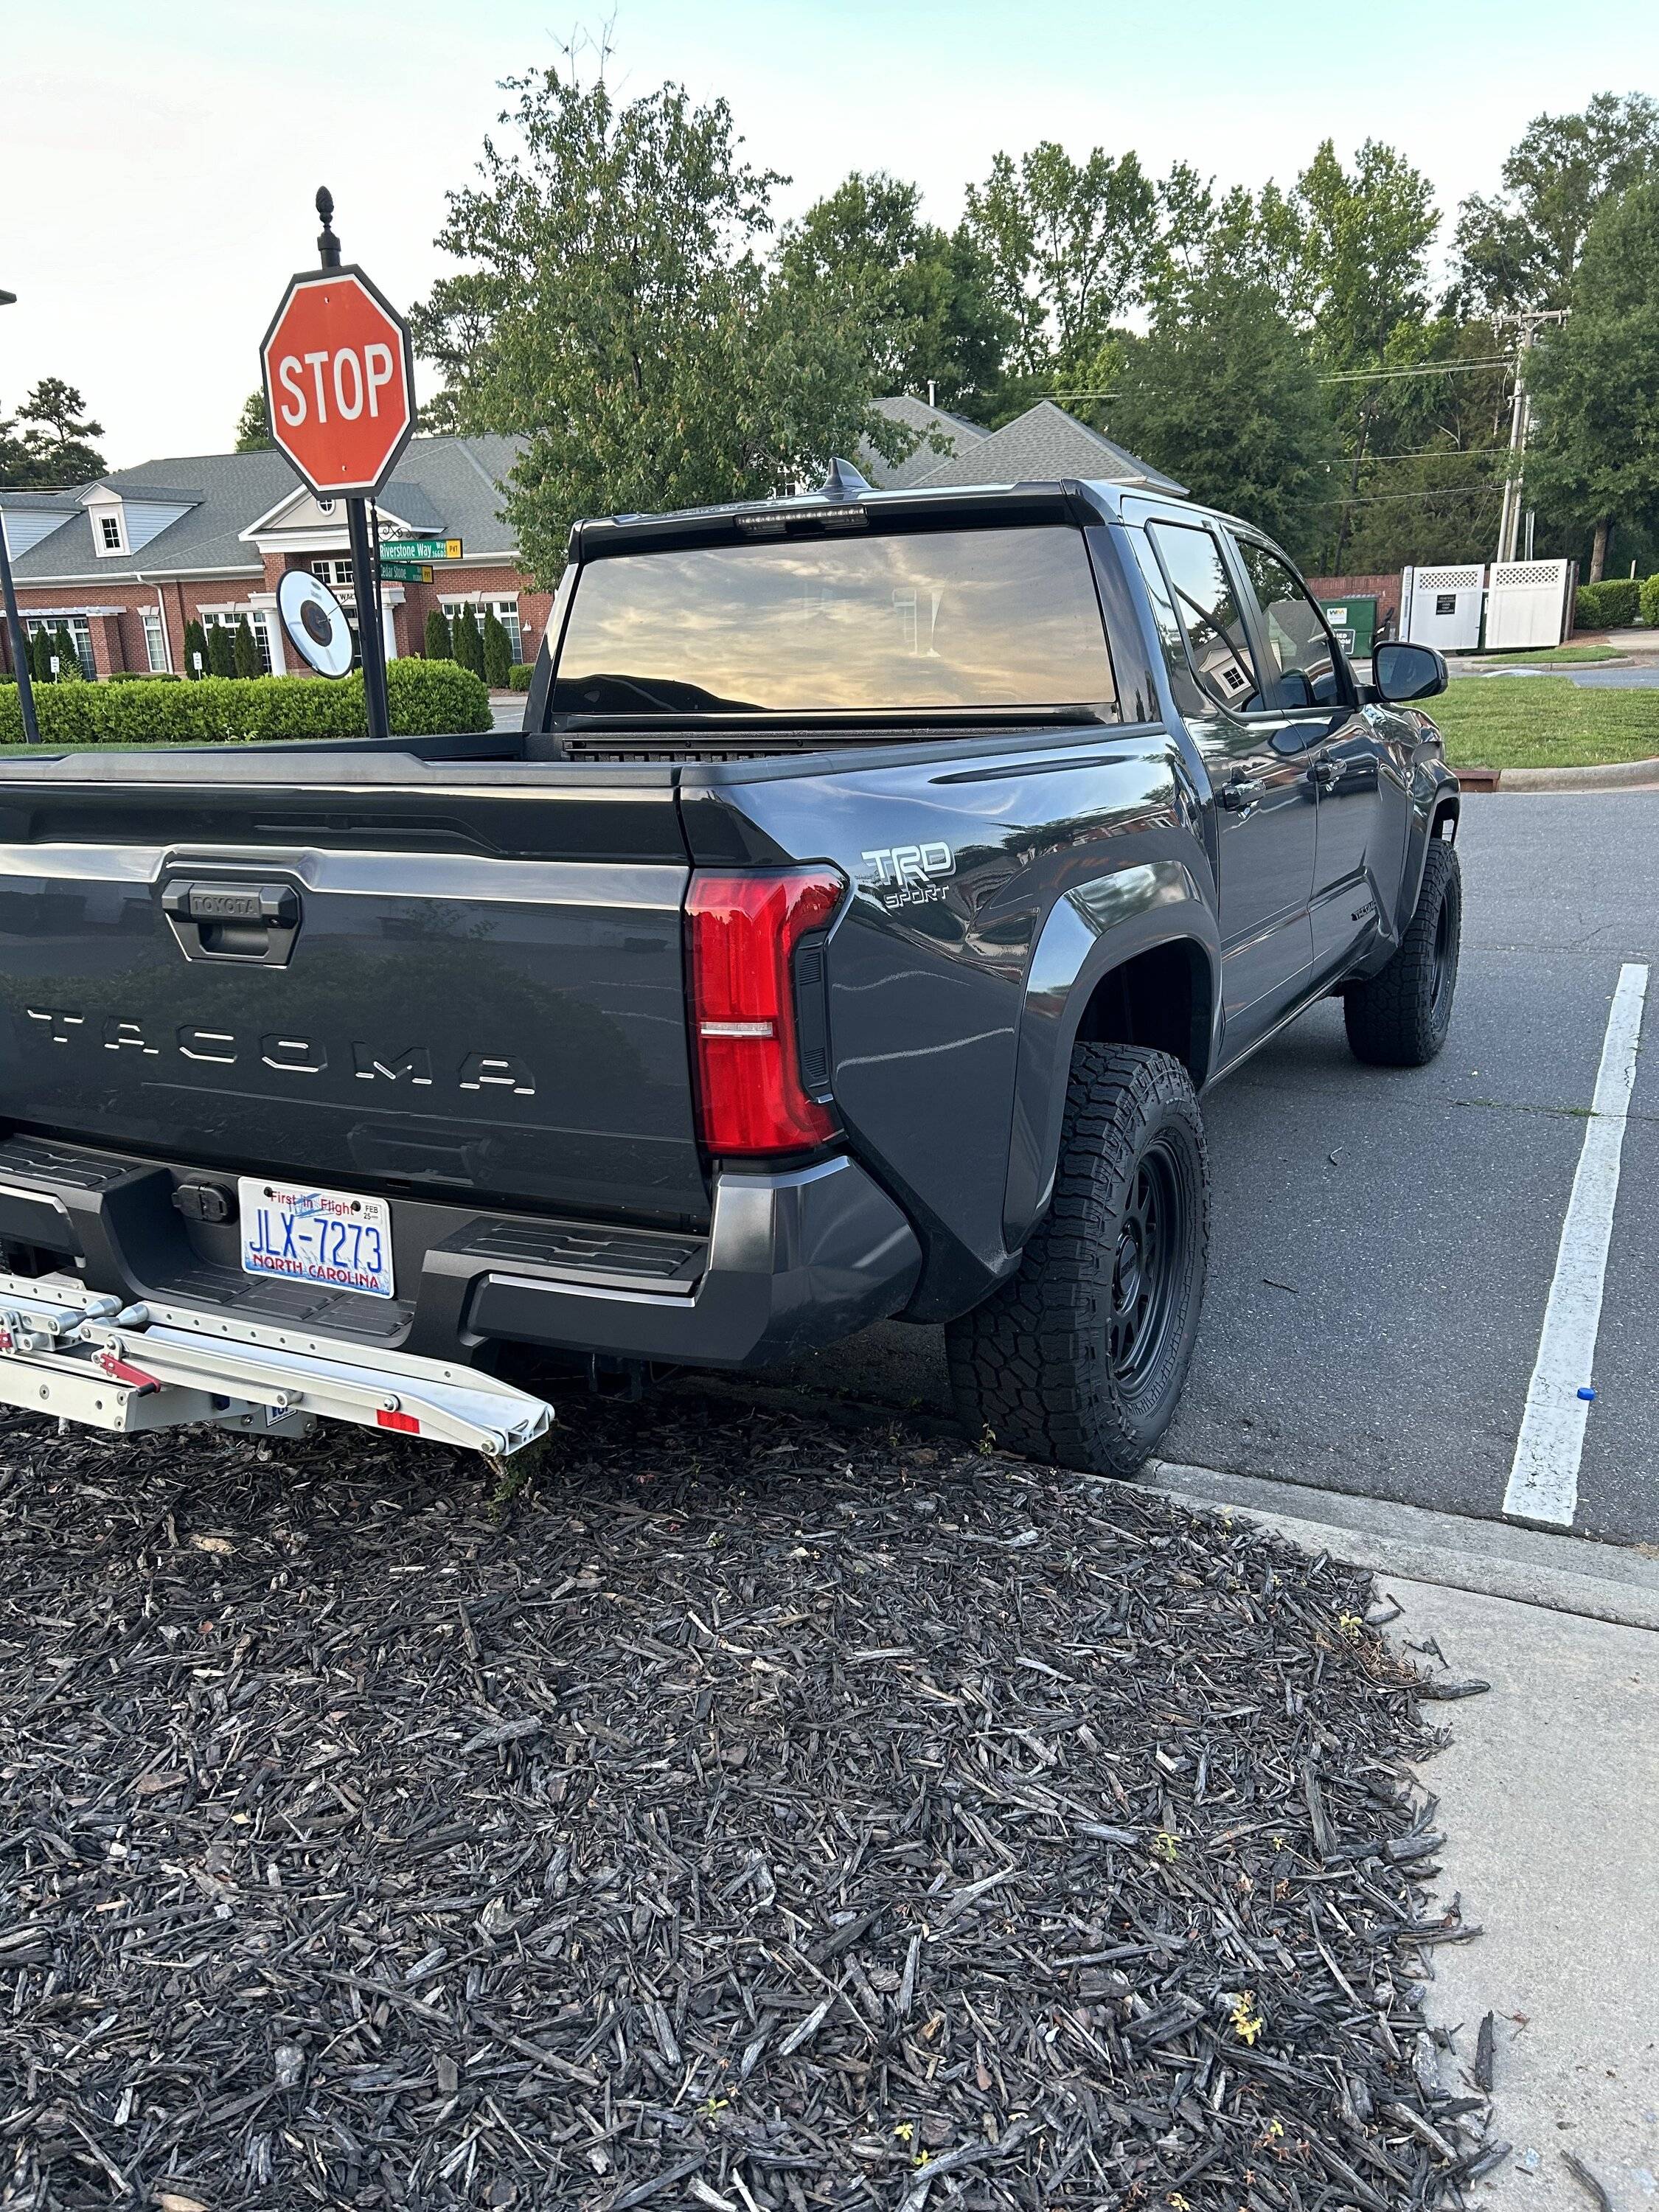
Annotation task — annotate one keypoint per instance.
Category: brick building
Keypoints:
(127, 560)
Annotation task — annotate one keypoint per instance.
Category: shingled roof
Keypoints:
(1042, 444)
(447, 485)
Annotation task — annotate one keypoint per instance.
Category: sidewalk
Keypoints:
(1550, 1803)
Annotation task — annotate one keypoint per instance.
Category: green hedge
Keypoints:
(428, 698)
(1614, 605)
(519, 674)
(1651, 602)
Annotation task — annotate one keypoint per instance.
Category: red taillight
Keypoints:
(743, 932)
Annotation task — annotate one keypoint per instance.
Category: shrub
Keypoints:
(41, 653)
(70, 670)
(518, 676)
(497, 651)
(427, 698)
(1613, 604)
(222, 652)
(469, 641)
(245, 651)
(1651, 602)
(440, 646)
(141, 676)
(196, 647)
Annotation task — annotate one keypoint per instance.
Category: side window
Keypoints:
(1211, 618)
(1308, 671)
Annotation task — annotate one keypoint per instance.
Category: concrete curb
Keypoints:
(1610, 775)
(1564, 1574)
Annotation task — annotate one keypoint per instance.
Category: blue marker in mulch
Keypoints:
(1587, 1394)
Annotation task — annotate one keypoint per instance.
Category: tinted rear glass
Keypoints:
(922, 619)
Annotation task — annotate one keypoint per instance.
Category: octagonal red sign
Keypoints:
(339, 381)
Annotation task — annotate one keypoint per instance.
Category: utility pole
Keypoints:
(365, 548)
(20, 644)
(1528, 321)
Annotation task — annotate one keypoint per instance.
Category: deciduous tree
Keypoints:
(254, 424)
(1596, 382)
(616, 309)
(1519, 247)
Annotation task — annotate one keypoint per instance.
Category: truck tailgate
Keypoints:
(360, 971)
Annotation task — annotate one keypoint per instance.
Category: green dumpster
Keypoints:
(1354, 621)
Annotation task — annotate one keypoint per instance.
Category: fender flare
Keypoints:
(1089, 931)
(1435, 793)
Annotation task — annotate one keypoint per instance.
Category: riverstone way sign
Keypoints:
(339, 381)
(420, 549)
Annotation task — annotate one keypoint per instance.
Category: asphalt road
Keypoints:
(1385, 1240)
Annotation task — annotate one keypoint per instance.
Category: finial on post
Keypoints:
(328, 247)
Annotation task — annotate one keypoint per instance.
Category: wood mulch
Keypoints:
(742, 1815)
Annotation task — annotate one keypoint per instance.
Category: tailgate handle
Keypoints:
(256, 923)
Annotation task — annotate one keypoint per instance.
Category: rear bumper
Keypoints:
(792, 1260)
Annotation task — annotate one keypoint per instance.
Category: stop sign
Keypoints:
(339, 380)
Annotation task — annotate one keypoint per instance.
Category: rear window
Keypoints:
(913, 620)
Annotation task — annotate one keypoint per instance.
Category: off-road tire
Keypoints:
(1034, 1365)
(1400, 1017)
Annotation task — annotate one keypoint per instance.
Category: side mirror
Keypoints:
(1404, 672)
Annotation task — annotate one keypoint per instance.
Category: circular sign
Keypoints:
(316, 622)
(339, 380)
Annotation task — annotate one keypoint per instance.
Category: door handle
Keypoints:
(1242, 792)
(1327, 773)
(232, 920)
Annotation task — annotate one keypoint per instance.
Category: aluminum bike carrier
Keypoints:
(65, 1349)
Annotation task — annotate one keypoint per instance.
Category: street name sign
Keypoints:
(406, 572)
(339, 381)
(421, 549)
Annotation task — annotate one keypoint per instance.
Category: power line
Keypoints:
(1351, 376)
(1378, 498)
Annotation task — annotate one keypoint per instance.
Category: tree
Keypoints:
(497, 652)
(618, 311)
(1223, 394)
(1520, 248)
(1364, 237)
(68, 658)
(1596, 382)
(254, 424)
(52, 448)
(245, 654)
(929, 295)
(1070, 246)
(440, 646)
(195, 650)
(469, 640)
(42, 646)
(221, 652)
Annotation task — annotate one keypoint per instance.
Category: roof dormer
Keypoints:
(126, 516)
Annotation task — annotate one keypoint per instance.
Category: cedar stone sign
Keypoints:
(339, 381)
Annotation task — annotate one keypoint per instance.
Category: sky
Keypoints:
(160, 161)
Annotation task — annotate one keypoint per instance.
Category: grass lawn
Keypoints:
(1579, 652)
(1543, 721)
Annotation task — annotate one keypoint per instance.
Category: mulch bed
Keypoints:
(744, 1815)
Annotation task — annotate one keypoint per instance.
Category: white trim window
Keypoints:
(80, 630)
(109, 531)
(506, 612)
(227, 618)
(155, 643)
(336, 574)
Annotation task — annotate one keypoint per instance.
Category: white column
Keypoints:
(388, 631)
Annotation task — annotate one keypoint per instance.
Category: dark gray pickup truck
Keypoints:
(875, 884)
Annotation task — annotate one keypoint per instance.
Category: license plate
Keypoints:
(303, 1235)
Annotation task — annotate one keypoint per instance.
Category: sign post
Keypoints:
(339, 381)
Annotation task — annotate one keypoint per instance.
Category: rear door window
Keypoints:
(890, 620)
(1211, 618)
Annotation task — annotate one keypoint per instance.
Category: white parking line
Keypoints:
(1544, 1478)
